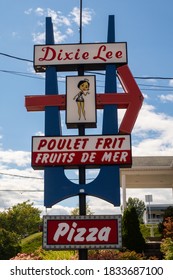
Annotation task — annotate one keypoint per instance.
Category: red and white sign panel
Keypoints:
(77, 232)
(72, 151)
(68, 57)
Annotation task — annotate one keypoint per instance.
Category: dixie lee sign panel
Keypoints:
(68, 57)
(72, 151)
(77, 232)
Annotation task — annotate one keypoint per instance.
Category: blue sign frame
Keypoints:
(57, 186)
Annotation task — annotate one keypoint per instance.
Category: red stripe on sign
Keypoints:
(43, 159)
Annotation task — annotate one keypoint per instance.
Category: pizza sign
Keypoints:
(75, 232)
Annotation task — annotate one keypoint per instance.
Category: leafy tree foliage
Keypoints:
(167, 248)
(75, 211)
(9, 244)
(167, 231)
(131, 234)
(139, 206)
(168, 227)
(167, 214)
(23, 219)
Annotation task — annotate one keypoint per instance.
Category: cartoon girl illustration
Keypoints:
(83, 85)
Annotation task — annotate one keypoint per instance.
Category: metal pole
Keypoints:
(80, 24)
(83, 253)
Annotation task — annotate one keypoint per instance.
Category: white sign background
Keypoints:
(72, 115)
(68, 55)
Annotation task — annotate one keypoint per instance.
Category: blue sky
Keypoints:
(144, 25)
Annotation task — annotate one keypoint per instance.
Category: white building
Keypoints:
(148, 172)
(154, 213)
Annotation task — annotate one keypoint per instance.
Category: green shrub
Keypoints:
(31, 243)
(146, 231)
(114, 255)
(9, 244)
(166, 248)
(55, 255)
(131, 234)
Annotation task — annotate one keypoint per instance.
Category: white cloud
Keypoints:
(19, 158)
(150, 120)
(18, 185)
(39, 133)
(38, 38)
(39, 11)
(166, 98)
(14, 34)
(58, 210)
(69, 31)
(86, 15)
(153, 133)
(101, 207)
(171, 82)
(59, 22)
(29, 11)
(59, 37)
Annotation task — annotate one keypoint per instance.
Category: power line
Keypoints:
(24, 74)
(93, 72)
(154, 78)
(16, 57)
(153, 87)
(20, 176)
(21, 190)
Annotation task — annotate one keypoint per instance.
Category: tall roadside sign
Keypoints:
(108, 151)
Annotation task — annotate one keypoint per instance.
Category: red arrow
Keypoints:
(131, 100)
(135, 98)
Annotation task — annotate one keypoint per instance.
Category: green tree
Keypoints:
(139, 206)
(168, 227)
(23, 219)
(9, 244)
(131, 234)
(75, 211)
(168, 213)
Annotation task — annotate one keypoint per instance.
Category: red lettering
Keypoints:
(99, 142)
(59, 55)
(61, 144)
(77, 57)
(109, 54)
(51, 145)
(99, 54)
(85, 55)
(121, 140)
(77, 144)
(69, 144)
(85, 142)
(50, 54)
(42, 144)
(107, 143)
(67, 56)
(119, 54)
